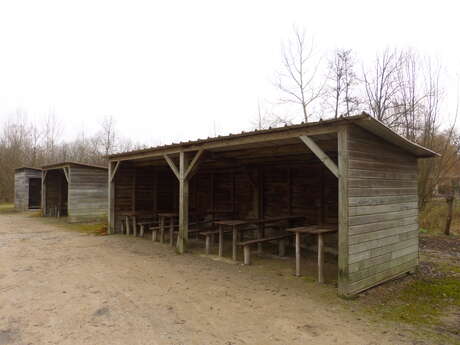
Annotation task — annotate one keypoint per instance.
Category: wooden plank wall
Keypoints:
(304, 188)
(21, 187)
(382, 199)
(88, 194)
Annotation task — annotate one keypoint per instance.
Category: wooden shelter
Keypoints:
(27, 188)
(75, 190)
(353, 172)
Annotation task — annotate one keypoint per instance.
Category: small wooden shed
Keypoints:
(353, 172)
(75, 190)
(27, 188)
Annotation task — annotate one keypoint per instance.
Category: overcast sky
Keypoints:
(169, 70)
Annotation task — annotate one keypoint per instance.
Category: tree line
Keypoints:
(24, 143)
(400, 88)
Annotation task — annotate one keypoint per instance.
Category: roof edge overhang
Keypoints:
(61, 165)
(363, 120)
(27, 168)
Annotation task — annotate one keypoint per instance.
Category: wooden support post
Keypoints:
(343, 211)
(297, 254)
(113, 167)
(323, 157)
(320, 258)
(184, 173)
(182, 237)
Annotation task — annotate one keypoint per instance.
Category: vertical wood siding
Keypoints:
(87, 200)
(382, 208)
(21, 187)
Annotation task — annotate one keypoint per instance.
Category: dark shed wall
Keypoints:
(383, 210)
(87, 194)
(21, 187)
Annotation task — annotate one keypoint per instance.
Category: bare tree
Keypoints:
(298, 79)
(108, 135)
(343, 78)
(267, 119)
(382, 85)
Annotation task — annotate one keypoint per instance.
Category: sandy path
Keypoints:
(63, 287)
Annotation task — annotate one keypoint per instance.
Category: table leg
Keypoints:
(320, 258)
(142, 230)
(162, 229)
(134, 226)
(127, 225)
(235, 238)
(221, 240)
(171, 231)
(297, 254)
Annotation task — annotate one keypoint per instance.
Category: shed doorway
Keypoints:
(35, 192)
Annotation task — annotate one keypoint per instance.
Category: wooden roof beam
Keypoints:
(172, 165)
(322, 156)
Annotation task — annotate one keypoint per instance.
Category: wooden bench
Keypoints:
(209, 238)
(281, 239)
(143, 224)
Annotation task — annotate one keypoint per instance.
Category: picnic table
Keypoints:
(163, 217)
(236, 225)
(133, 215)
(318, 230)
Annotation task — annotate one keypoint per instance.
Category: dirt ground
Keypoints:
(65, 287)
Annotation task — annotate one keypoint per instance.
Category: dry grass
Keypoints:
(433, 218)
(7, 208)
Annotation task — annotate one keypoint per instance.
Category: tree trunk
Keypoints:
(450, 207)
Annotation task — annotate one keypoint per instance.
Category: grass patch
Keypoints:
(424, 301)
(88, 228)
(7, 208)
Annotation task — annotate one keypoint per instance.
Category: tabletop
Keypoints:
(274, 219)
(314, 229)
(231, 222)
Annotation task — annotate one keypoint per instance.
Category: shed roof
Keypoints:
(70, 163)
(27, 168)
(363, 120)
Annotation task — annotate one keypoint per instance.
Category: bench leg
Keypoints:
(122, 227)
(247, 255)
(154, 235)
(282, 247)
(320, 258)
(208, 244)
(142, 230)
(127, 225)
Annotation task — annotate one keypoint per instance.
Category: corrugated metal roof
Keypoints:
(363, 120)
(62, 164)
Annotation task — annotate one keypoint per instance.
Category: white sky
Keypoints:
(166, 70)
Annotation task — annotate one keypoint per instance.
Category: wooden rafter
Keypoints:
(114, 170)
(322, 156)
(172, 165)
(193, 164)
(66, 173)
